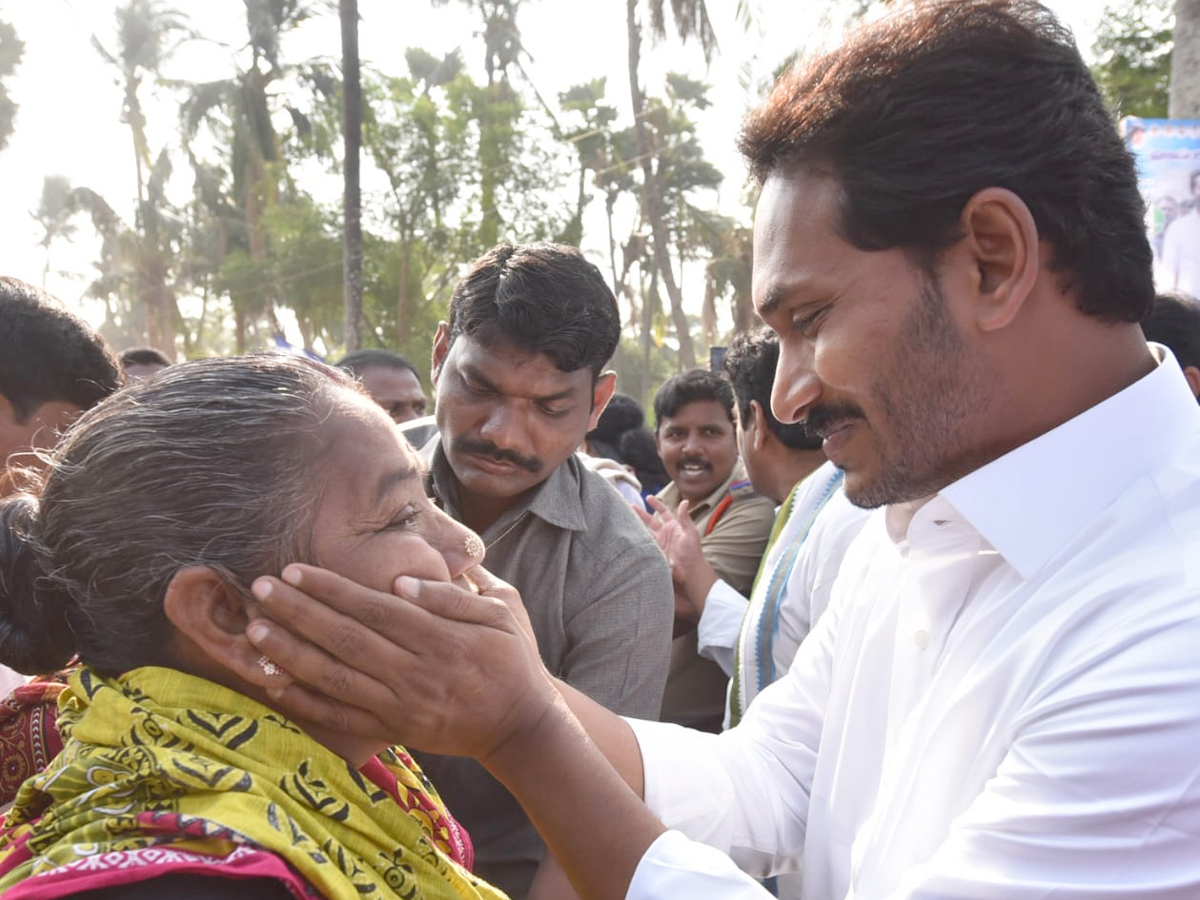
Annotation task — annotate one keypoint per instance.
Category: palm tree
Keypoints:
(147, 33)
(691, 22)
(352, 142)
(54, 214)
(239, 109)
(11, 49)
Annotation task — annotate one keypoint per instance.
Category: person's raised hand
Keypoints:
(439, 667)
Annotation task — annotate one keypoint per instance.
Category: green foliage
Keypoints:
(1133, 57)
(453, 161)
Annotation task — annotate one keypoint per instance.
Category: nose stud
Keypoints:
(474, 546)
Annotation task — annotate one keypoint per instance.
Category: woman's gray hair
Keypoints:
(211, 463)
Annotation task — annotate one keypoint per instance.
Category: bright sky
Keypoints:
(69, 117)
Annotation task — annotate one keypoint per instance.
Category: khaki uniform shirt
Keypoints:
(598, 591)
(696, 686)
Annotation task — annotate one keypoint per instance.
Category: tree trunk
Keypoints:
(618, 284)
(1185, 61)
(652, 201)
(649, 308)
(404, 299)
(352, 142)
(491, 163)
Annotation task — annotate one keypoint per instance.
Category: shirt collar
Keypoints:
(556, 500)
(1028, 503)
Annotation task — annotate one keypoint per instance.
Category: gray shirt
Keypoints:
(598, 591)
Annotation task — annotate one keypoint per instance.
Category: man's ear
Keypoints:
(1001, 244)
(441, 347)
(211, 615)
(756, 426)
(601, 394)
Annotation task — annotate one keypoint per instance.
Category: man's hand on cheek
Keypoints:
(439, 668)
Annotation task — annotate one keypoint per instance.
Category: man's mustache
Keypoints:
(472, 447)
(823, 419)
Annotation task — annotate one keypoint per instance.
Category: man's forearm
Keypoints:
(592, 822)
(611, 736)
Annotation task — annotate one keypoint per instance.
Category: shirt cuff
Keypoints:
(674, 866)
(720, 625)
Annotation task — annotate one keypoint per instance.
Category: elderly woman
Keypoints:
(178, 778)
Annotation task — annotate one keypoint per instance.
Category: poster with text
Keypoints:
(1168, 160)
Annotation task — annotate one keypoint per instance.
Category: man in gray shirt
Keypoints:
(519, 382)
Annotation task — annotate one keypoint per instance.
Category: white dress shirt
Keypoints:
(1001, 703)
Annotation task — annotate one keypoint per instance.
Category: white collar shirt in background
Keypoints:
(1001, 703)
(824, 526)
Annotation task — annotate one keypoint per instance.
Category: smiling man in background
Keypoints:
(697, 441)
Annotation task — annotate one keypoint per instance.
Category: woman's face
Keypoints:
(373, 520)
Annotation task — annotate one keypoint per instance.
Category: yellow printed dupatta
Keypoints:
(158, 746)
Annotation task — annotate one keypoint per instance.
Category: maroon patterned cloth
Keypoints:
(29, 736)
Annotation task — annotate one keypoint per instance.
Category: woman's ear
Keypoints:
(211, 615)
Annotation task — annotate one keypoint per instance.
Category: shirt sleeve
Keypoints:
(674, 866)
(745, 791)
(720, 625)
(736, 545)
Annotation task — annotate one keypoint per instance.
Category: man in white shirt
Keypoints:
(1002, 701)
(753, 640)
(1181, 247)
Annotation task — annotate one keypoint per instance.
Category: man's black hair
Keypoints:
(691, 387)
(1174, 322)
(48, 355)
(540, 298)
(143, 356)
(359, 360)
(638, 450)
(920, 111)
(622, 414)
(750, 364)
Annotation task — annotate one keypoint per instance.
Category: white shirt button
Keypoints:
(921, 639)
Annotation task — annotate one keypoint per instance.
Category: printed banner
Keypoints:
(1168, 159)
